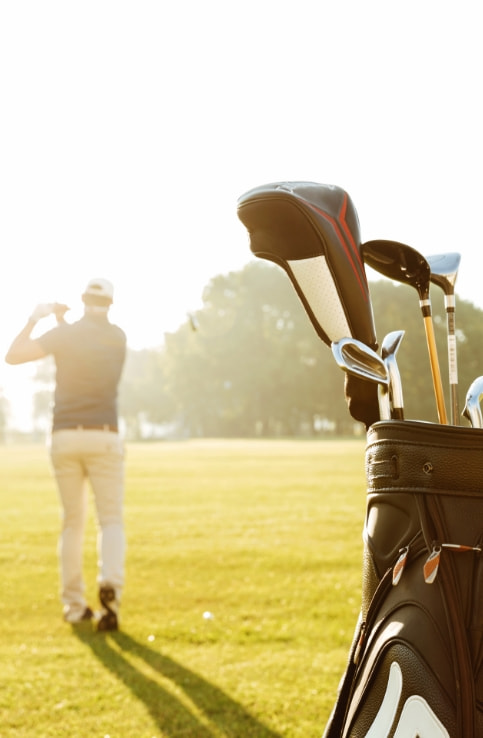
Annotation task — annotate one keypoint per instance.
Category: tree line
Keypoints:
(254, 365)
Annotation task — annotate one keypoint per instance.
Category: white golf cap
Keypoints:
(100, 288)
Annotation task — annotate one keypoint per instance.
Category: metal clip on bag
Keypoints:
(416, 664)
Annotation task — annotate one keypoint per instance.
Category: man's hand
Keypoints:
(41, 311)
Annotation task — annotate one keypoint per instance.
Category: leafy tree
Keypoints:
(256, 366)
(142, 393)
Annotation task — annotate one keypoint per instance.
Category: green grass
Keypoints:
(266, 535)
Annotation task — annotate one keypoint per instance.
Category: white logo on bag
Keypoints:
(417, 719)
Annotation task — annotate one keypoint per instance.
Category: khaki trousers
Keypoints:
(79, 455)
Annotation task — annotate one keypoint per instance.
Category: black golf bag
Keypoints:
(415, 668)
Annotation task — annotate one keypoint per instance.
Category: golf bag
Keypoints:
(415, 667)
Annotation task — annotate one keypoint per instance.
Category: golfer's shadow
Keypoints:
(171, 714)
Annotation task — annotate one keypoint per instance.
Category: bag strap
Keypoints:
(346, 689)
(464, 680)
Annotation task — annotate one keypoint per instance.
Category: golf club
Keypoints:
(355, 358)
(193, 321)
(312, 231)
(404, 264)
(389, 349)
(444, 270)
(472, 409)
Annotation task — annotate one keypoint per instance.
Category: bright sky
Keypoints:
(129, 129)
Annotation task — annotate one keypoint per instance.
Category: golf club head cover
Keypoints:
(416, 663)
(312, 231)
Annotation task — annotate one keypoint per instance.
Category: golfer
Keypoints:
(85, 444)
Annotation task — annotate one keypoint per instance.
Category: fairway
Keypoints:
(265, 536)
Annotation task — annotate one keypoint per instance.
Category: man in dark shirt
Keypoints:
(89, 356)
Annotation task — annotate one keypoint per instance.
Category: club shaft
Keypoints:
(435, 370)
(384, 403)
(395, 389)
(452, 358)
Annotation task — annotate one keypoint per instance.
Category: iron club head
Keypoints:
(389, 349)
(444, 270)
(472, 410)
(355, 358)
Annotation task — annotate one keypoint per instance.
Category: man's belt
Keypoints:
(104, 427)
